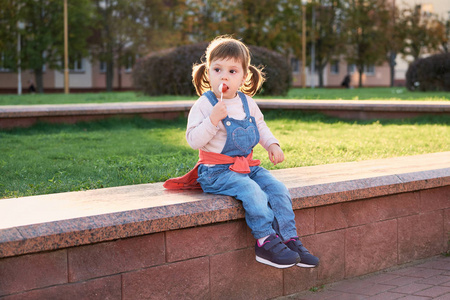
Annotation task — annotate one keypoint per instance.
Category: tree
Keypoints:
(446, 40)
(259, 28)
(328, 35)
(43, 36)
(8, 34)
(127, 29)
(365, 23)
(286, 29)
(204, 20)
(423, 32)
(439, 33)
(394, 39)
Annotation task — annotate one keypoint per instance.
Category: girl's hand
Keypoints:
(276, 155)
(218, 113)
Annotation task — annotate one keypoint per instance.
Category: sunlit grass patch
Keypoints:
(58, 158)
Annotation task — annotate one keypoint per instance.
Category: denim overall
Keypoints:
(267, 203)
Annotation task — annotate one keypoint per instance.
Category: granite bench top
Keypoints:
(54, 221)
(15, 111)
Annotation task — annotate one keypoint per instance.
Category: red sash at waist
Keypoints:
(240, 164)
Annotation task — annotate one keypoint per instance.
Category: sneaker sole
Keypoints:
(306, 266)
(272, 264)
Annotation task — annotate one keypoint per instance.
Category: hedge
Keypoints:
(429, 74)
(168, 72)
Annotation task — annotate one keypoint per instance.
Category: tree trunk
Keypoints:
(119, 78)
(39, 79)
(119, 66)
(361, 72)
(109, 75)
(109, 48)
(320, 71)
(392, 66)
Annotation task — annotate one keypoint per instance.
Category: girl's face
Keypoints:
(229, 72)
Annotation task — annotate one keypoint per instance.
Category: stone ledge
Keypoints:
(49, 222)
(8, 111)
(26, 115)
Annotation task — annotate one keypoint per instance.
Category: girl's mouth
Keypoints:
(223, 87)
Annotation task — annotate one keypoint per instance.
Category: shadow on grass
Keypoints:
(312, 117)
(109, 124)
(180, 123)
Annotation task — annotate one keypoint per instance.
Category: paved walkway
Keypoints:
(423, 280)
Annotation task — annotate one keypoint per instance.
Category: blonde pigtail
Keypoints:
(254, 81)
(199, 79)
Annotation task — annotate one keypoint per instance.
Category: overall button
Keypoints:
(251, 121)
(228, 123)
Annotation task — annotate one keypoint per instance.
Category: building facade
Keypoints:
(91, 77)
(86, 76)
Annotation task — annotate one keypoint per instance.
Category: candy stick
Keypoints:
(222, 88)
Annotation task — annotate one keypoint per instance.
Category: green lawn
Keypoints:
(368, 94)
(33, 99)
(58, 158)
(350, 94)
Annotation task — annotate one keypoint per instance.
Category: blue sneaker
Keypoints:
(275, 253)
(307, 260)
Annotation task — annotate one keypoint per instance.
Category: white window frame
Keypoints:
(78, 66)
(295, 63)
(334, 67)
(369, 70)
(102, 66)
(351, 68)
(2, 63)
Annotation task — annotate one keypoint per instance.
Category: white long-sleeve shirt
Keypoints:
(202, 134)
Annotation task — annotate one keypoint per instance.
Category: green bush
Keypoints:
(168, 72)
(277, 70)
(429, 74)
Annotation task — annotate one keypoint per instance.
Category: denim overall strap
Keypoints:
(245, 104)
(213, 100)
(211, 97)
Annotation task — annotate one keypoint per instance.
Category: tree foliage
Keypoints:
(329, 38)
(422, 32)
(363, 32)
(8, 34)
(365, 26)
(42, 39)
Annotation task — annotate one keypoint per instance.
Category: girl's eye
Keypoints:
(217, 70)
(232, 71)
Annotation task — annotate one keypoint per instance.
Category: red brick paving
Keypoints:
(429, 279)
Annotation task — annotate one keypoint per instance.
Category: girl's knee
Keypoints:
(277, 188)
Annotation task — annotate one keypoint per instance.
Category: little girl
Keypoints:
(225, 133)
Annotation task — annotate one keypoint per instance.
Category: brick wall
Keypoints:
(217, 261)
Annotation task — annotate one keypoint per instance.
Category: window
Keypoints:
(334, 67)
(129, 63)
(351, 68)
(76, 64)
(5, 63)
(102, 66)
(369, 70)
(295, 64)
